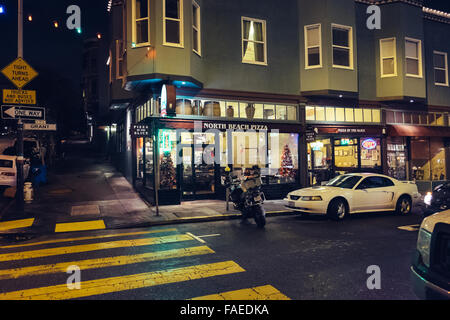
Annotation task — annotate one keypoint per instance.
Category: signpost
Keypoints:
(19, 96)
(23, 112)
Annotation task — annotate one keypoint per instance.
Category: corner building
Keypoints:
(303, 89)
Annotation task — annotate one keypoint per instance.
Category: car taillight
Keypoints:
(8, 174)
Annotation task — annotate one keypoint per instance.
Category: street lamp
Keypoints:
(2, 9)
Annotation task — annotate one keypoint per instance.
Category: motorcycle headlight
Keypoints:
(312, 198)
(427, 199)
(423, 246)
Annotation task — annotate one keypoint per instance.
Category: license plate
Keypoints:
(291, 204)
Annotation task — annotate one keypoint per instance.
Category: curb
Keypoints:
(38, 230)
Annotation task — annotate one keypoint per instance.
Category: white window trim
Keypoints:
(198, 29)
(350, 43)
(306, 28)
(446, 84)
(419, 58)
(395, 74)
(181, 23)
(133, 28)
(263, 42)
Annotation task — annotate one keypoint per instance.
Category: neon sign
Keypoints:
(369, 144)
(345, 142)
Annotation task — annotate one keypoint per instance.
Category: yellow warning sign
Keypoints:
(19, 72)
(19, 96)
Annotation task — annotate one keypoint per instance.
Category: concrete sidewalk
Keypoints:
(89, 189)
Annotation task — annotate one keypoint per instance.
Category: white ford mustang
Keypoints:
(353, 193)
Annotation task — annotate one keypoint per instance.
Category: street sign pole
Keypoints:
(20, 29)
(20, 162)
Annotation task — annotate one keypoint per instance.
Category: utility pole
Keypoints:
(20, 158)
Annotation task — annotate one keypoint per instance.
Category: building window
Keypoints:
(440, 68)
(254, 49)
(388, 56)
(173, 22)
(342, 46)
(196, 29)
(413, 53)
(313, 46)
(141, 23)
(119, 59)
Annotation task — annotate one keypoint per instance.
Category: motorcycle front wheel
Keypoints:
(260, 217)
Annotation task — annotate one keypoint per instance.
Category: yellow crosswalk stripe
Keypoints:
(80, 226)
(130, 282)
(16, 224)
(104, 262)
(257, 293)
(92, 247)
(87, 238)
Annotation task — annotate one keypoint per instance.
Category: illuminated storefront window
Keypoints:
(428, 159)
(397, 157)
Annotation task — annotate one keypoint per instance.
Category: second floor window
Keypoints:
(254, 48)
(440, 63)
(173, 22)
(141, 22)
(313, 46)
(413, 54)
(342, 46)
(388, 57)
(196, 36)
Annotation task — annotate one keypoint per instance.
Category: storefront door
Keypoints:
(198, 170)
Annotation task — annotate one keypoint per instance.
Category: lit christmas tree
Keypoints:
(287, 169)
(167, 169)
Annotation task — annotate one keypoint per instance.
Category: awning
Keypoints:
(417, 131)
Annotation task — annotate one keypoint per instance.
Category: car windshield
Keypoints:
(6, 163)
(345, 181)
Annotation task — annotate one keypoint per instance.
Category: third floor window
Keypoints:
(196, 28)
(141, 22)
(173, 23)
(342, 46)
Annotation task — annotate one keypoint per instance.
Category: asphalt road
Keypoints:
(294, 257)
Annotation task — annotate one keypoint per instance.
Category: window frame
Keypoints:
(134, 26)
(419, 58)
(264, 26)
(197, 28)
(446, 84)
(306, 28)
(180, 21)
(382, 58)
(350, 43)
(119, 59)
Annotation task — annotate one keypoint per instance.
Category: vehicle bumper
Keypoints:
(316, 207)
(427, 290)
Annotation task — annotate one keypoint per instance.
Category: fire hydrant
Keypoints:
(28, 192)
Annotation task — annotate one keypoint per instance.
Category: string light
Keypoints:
(55, 24)
(30, 18)
(99, 35)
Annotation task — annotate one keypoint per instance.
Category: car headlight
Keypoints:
(311, 198)
(427, 199)
(423, 246)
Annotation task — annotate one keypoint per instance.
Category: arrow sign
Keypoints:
(22, 112)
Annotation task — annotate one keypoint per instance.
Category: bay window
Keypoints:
(413, 53)
(141, 22)
(342, 46)
(254, 49)
(313, 46)
(388, 56)
(173, 23)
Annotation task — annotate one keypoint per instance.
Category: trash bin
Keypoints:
(28, 192)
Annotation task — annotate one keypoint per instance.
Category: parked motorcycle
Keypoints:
(246, 195)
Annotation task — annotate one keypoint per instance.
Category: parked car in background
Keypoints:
(430, 270)
(437, 200)
(353, 193)
(8, 171)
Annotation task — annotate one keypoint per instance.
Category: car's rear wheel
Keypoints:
(337, 210)
(404, 206)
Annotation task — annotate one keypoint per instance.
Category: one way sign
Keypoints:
(23, 112)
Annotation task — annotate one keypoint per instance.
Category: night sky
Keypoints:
(60, 49)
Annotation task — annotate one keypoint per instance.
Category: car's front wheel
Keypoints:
(337, 210)
(404, 206)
